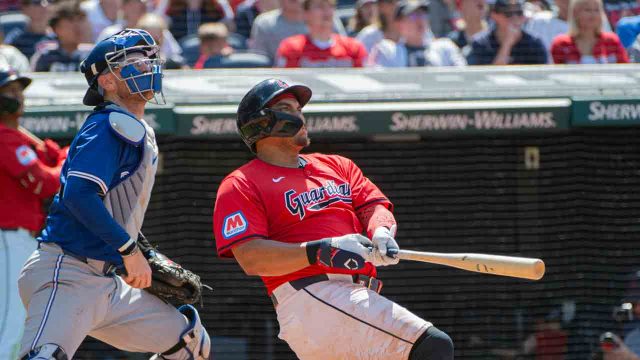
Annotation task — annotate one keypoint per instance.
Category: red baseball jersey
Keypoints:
(607, 50)
(300, 51)
(320, 200)
(21, 207)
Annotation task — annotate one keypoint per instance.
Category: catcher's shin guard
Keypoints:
(194, 344)
(46, 352)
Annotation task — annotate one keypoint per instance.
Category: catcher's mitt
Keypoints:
(172, 282)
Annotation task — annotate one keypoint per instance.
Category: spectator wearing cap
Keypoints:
(187, 15)
(321, 47)
(101, 13)
(213, 45)
(384, 27)
(64, 54)
(37, 30)
(474, 14)
(248, 11)
(365, 15)
(170, 50)
(415, 47)
(586, 42)
(628, 29)
(505, 42)
(10, 57)
(272, 27)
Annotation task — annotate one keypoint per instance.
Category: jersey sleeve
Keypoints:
(364, 193)
(95, 155)
(17, 155)
(238, 216)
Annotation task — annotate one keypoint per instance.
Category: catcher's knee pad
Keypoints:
(46, 352)
(194, 344)
(433, 344)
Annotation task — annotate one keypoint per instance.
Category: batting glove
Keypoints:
(347, 252)
(384, 244)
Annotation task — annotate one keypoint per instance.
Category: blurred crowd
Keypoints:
(55, 35)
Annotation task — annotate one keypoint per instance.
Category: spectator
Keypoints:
(474, 13)
(9, 5)
(247, 13)
(10, 57)
(383, 28)
(321, 47)
(549, 340)
(170, 50)
(628, 29)
(586, 42)
(505, 42)
(615, 10)
(440, 17)
(415, 47)
(366, 14)
(546, 25)
(37, 30)
(66, 53)
(187, 15)
(270, 28)
(213, 44)
(132, 11)
(101, 13)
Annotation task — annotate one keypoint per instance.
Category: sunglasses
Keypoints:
(513, 13)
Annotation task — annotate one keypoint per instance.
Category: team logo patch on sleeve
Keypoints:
(26, 156)
(234, 224)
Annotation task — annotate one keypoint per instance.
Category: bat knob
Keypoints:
(392, 252)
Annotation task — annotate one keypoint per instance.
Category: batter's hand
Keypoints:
(347, 252)
(385, 246)
(138, 270)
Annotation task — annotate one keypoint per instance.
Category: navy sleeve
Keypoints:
(81, 198)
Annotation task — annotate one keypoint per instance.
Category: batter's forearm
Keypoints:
(373, 217)
(270, 258)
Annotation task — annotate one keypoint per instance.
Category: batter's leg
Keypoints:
(15, 249)
(433, 344)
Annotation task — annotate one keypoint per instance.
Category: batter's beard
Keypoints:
(302, 140)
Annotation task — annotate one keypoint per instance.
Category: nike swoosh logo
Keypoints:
(277, 180)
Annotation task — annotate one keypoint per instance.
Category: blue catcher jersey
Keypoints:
(123, 168)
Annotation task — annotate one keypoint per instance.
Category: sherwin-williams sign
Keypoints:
(343, 119)
(600, 113)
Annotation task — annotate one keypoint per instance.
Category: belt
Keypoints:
(107, 268)
(299, 284)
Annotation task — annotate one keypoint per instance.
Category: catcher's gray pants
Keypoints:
(67, 299)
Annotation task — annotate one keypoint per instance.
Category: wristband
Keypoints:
(314, 247)
(129, 248)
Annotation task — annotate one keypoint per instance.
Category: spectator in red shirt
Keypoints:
(321, 47)
(586, 42)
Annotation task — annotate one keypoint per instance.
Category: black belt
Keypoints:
(364, 280)
(107, 269)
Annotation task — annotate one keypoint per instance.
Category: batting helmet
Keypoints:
(9, 105)
(141, 73)
(256, 121)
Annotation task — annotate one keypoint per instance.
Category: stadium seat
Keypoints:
(238, 60)
(10, 21)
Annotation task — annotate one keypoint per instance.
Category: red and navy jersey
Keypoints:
(20, 166)
(293, 205)
(300, 51)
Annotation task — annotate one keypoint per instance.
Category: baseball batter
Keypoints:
(69, 286)
(29, 172)
(295, 221)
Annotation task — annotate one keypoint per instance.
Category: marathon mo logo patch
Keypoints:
(234, 224)
(25, 155)
(317, 199)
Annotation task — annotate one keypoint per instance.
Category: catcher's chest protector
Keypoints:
(127, 202)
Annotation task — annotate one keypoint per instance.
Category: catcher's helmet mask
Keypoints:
(257, 121)
(132, 56)
(10, 105)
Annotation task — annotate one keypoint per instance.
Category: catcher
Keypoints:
(69, 284)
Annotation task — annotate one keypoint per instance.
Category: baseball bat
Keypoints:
(520, 267)
(36, 140)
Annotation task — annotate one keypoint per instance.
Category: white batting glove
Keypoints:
(383, 240)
